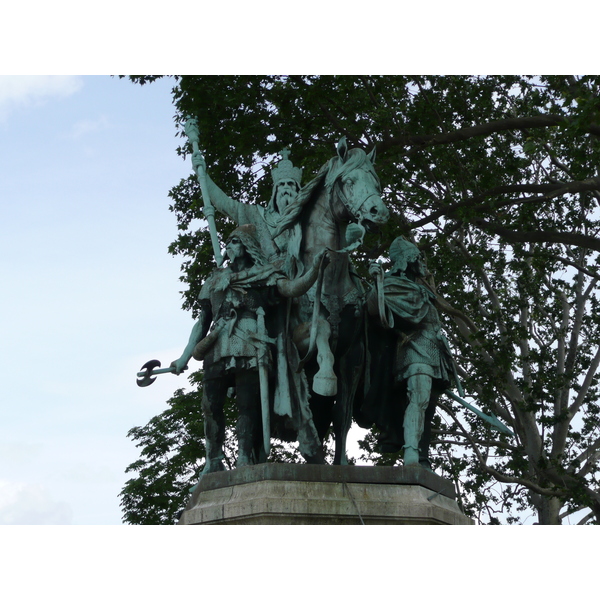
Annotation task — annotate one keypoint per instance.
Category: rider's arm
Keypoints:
(292, 288)
(218, 198)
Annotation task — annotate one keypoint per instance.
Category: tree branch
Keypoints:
(589, 377)
(549, 236)
(534, 487)
(546, 191)
(540, 121)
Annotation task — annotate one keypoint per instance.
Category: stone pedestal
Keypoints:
(289, 494)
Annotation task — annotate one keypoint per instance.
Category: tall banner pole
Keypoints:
(191, 130)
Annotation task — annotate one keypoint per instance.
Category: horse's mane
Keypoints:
(329, 173)
(356, 159)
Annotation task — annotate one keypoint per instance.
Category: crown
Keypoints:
(286, 170)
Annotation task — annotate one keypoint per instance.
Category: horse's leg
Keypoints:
(325, 380)
(351, 366)
(322, 409)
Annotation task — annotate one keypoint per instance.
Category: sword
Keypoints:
(491, 419)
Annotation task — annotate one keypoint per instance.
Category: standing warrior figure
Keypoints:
(235, 299)
(286, 184)
(422, 365)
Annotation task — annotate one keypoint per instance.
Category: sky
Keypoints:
(89, 291)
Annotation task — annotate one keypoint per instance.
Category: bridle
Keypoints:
(353, 211)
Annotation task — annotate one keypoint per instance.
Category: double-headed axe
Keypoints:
(148, 372)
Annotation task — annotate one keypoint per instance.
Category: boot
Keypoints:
(245, 434)
(411, 456)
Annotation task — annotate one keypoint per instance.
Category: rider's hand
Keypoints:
(324, 254)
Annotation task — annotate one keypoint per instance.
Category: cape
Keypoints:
(405, 305)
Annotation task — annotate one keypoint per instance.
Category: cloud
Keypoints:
(18, 453)
(86, 126)
(31, 504)
(23, 91)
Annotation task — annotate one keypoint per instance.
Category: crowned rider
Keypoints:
(280, 234)
(286, 184)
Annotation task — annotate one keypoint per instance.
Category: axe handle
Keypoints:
(491, 419)
(156, 372)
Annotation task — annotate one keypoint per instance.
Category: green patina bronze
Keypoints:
(412, 362)
(191, 130)
(287, 324)
(421, 365)
(318, 347)
(233, 337)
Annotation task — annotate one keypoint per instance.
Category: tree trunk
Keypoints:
(549, 510)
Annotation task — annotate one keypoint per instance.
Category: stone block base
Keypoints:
(285, 494)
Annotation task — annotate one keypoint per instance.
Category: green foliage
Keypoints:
(172, 446)
(172, 455)
(496, 179)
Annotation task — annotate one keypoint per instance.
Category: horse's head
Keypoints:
(352, 181)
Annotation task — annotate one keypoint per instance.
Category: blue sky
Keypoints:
(89, 290)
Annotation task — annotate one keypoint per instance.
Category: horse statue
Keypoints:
(334, 211)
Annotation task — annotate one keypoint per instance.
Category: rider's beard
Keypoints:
(284, 199)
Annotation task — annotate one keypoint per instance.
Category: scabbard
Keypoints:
(264, 380)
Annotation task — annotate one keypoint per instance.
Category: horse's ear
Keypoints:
(342, 148)
(372, 154)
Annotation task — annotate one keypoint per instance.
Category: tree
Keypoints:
(172, 457)
(172, 446)
(496, 180)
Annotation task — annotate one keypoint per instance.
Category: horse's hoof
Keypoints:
(316, 459)
(324, 385)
